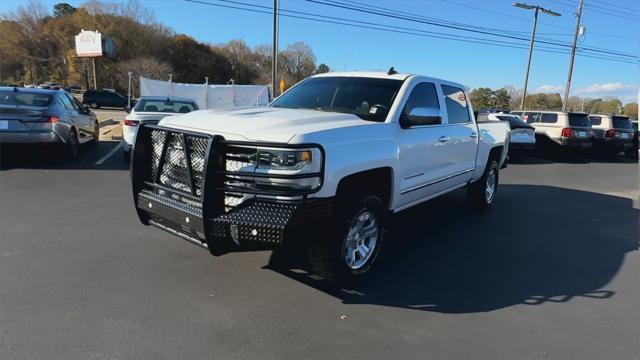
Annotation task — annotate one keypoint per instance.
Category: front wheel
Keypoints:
(96, 134)
(94, 105)
(482, 193)
(352, 247)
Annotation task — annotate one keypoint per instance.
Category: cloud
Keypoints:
(607, 89)
(624, 91)
(549, 88)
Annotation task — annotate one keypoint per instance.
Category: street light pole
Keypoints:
(274, 55)
(129, 90)
(573, 55)
(537, 8)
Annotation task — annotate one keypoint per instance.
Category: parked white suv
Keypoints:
(558, 129)
(324, 164)
(611, 133)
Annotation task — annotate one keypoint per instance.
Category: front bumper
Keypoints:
(256, 223)
(203, 208)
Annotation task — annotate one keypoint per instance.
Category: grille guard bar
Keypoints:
(214, 173)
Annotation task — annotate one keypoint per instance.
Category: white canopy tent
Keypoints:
(208, 96)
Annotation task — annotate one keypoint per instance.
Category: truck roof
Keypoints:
(384, 75)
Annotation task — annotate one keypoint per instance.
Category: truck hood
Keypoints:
(266, 124)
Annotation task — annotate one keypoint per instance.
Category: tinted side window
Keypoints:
(72, 101)
(456, 103)
(422, 95)
(66, 102)
(595, 120)
(549, 118)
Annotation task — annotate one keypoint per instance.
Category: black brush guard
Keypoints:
(182, 184)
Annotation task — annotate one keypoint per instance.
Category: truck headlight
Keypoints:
(283, 162)
(287, 161)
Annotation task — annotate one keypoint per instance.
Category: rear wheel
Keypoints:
(94, 105)
(482, 193)
(349, 252)
(72, 145)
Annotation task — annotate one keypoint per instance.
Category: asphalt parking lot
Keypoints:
(551, 272)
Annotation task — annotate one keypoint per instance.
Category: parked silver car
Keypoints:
(39, 116)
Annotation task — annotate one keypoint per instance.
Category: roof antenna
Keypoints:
(392, 71)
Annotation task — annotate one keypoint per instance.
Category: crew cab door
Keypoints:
(462, 134)
(423, 154)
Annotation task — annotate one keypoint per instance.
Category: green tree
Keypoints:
(502, 98)
(62, 9)
(481, 98)
(322, 68)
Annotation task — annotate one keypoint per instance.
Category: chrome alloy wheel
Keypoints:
(361, 240)
(490, 190)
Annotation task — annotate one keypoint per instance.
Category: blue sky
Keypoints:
(609, 25)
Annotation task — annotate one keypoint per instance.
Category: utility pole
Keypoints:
(537, 8)
(573, 55)
(274, 55)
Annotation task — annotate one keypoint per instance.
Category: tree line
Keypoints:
(38, 45)
(510, 98)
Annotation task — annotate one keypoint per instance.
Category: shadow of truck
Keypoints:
(538, 244)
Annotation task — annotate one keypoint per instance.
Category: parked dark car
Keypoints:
(40, 116)
(104, 98)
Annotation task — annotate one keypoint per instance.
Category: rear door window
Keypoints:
(621, 122)
(456, 103)
(549, 118)
(596, 120)
(581, 120)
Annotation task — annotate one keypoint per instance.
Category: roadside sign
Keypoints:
(88, 44)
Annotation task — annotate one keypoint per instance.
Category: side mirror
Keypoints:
(422, 116)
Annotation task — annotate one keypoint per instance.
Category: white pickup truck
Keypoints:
(325, 164)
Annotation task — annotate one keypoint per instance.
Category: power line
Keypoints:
(394, 29)
(614, 5)
(594, 9)
(328, 3)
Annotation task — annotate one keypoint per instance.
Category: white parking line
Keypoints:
(109, 154)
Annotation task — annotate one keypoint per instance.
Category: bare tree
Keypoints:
(298, 61)
(147, 67)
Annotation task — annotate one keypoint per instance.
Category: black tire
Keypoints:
(96, 134)
(72, 147)
(94, 105)
(477, 192)
(327, 256)
(126, 155)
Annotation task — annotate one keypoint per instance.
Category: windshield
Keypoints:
(577, 119)
(10, 97)
(147, 105)
(369, 99)
(622, 122)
